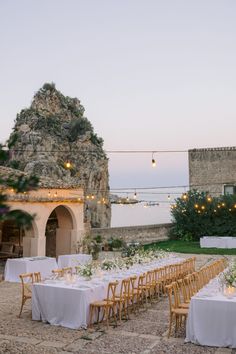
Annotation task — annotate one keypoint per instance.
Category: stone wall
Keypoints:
(144, 234)
(211, 169)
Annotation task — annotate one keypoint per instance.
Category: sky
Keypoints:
(151, 74)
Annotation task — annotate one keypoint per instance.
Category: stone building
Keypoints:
(58, 226)
(213, 170)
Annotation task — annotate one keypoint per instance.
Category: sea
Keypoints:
(139, 214)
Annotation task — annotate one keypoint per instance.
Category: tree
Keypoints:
(19, 184)
(198, 214)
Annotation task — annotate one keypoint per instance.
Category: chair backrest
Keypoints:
(27, 280)
(58, 272)
(37, 277)
(170, 292)
(189, 285)
(133, 280)
(182, 290)
(67, 270)
(177, 294)
(141, 281)
(125, 288)
(111, 291)
(150, 277)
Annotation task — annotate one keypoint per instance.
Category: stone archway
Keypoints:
(58, 233)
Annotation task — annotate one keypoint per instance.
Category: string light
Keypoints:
(153, 160)
(128, 151)
(68, 165)
(185, 196)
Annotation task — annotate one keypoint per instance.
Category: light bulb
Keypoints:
(153, 160)
(68, 164)
(185, 196)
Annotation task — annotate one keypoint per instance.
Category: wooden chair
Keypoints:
(37, 277)
(133, 294)
(67, 270)
(26, 283)
(138, 292)
(151, 284)
(176, 313)
(183, 301)
(57, 272)
(122, 300)
(106, 305)
(159, 286)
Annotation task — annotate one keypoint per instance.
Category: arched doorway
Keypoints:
(58, 232)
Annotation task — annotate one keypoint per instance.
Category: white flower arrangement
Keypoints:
(228, 277)
(86, 270)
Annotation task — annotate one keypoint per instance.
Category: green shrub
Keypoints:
(198, 214)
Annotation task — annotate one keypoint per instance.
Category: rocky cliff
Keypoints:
(52, 132)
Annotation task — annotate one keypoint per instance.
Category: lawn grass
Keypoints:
(189, 247)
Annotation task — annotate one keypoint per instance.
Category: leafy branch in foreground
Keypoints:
(20, 184)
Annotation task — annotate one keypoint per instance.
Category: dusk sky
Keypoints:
(151, 74)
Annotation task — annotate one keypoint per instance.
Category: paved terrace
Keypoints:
(144, 333)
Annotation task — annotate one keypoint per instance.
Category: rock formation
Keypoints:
(53, 131)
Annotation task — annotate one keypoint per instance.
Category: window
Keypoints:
(229, 189)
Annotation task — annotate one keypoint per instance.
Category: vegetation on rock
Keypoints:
(50, 132)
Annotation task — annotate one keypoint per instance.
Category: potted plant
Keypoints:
(116, 244)
(106, 247)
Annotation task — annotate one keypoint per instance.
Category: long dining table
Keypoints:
(60, 302)
(212, 317)
(16, 266)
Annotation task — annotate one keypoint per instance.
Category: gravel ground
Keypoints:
(145, 332)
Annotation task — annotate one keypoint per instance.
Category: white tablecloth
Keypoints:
(218, 242)
(72, 260)
(16, 266)
(212, 321)
(68, 304)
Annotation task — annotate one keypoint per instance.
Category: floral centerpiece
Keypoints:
(109, 264)
(228, 280)
(228, 277)
(86, 271)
